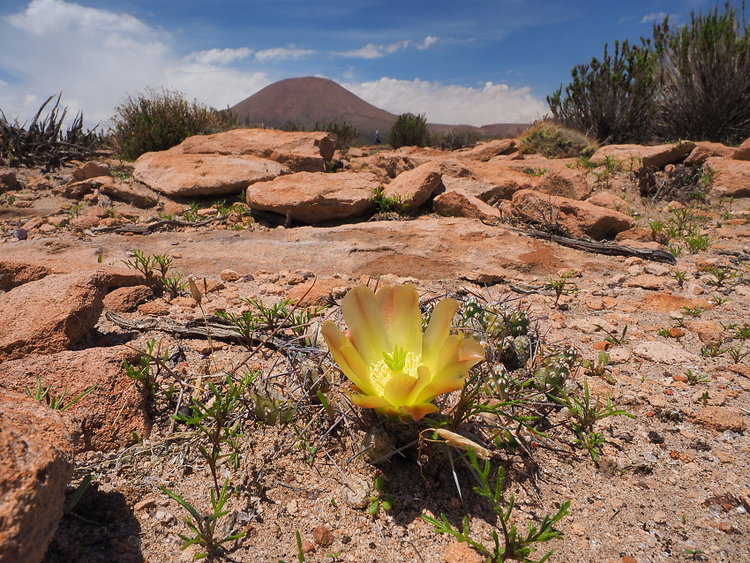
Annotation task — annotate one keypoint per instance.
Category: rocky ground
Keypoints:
(662, 338)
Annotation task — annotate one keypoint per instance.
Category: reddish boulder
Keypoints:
(416, 186)
(9, 181)
(729, 178)
(50, 314)
(315, 198)
(136, 194)
(298, 150)
(90, 169)
(105, 419)
(489, 149)
(743, 151)
(458, 203)
(36, 464)
(124, 299)
(186, 175)
(578, 218)
(609, 200)
(636, 155)
(704, 150)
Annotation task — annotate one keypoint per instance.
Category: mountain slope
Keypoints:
(310, 100)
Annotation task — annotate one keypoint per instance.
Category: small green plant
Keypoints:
(562, 286)
(156, 269)
(74, 210)
(712, 350)
(743, 332)
(42, 395)
(737, 353)
(613, 337)
(273, 316)
(694, 312)
(694, 378)
(191, 215)
(680, 277)
(216, 422)
(585, 414)
(696, 242)
(203, 527)
(600, 367)
(344, 134)
(381, 500)
(146, 371)
(534, 171)
(721, 274)
(245, 323)
(510, 543)
(386, 204)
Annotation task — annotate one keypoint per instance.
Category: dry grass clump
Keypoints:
(552, 140)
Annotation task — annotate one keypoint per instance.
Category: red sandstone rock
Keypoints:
(90, 169)
(298, 150)
(458, 203)
(36, 464)
(183, 175)
(487, 150)
(578, 218)
(314, 198)
(49, 315)
(743, 151)
(704, 150)
(730, 178)
(657, 156)
(106, 418)
(416, 186)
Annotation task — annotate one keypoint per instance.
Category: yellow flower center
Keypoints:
(382, 371)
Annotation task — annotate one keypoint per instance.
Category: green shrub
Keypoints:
(156, 120)
(409, 130)
(552, 140)
(611, 99)
(704, 78)
(691, 82)
(455, 139)
(343, 133)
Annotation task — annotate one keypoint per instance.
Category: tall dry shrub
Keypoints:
(704, 78)
(156, 120)
(612, 98)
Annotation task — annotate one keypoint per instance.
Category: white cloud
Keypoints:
(450, 104)
(427, 42)
(373, 51)
(219, 56)
(654, 17)
(282, 53)
(97, 57)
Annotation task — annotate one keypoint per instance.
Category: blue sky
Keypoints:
(458, 61)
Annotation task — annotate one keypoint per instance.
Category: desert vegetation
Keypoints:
(684, 82)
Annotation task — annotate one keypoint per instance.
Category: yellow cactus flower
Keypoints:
(395, 368)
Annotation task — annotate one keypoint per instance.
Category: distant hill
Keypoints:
(310, 100)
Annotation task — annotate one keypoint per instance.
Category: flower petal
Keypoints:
(366, 329)
(437, 330)
(416, 412)
(370, 402)
(346, 356)
(398, 388)
(399, 309)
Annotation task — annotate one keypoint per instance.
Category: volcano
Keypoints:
(305, 102)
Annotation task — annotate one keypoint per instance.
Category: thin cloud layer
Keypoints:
(373, 51)
(97, 57)
(450, 104)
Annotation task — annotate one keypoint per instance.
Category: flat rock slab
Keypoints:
(315, 197)
(188, 175)
(105, 419)
(299, 150)
(427, 249)
(49, 315)
(36, 464)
